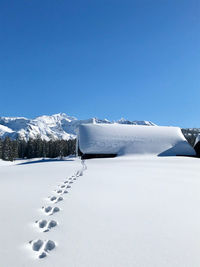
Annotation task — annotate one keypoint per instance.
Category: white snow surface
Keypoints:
(132, 139)
(57, 126)
(126, 211)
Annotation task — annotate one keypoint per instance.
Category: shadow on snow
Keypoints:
(44, 161)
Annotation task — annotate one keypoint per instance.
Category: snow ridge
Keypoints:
(54, 127)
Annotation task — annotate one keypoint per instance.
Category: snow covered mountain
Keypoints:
(57, 126)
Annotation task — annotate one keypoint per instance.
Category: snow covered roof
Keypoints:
(132, 139)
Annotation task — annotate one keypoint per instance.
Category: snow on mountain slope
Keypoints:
(124, 121)
(57, 126)
(4, 130)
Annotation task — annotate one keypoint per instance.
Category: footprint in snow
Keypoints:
(50, 210)
(42, 247)
(63, 187)
(55, 199)
(52, 198)
(46, 225)
(61, 192)
(79, 173)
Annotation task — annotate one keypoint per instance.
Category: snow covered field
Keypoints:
(122, 212)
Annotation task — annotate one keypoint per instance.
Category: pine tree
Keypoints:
(30, 151)
(13, 150)
(22, 148)
(6, 152)
(1, 147)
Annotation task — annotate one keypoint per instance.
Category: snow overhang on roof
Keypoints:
(132, 139)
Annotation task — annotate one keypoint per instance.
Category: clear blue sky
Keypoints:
(138, 59)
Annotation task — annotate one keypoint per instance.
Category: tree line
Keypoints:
(35, 148)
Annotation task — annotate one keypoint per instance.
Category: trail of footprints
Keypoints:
(43, 247)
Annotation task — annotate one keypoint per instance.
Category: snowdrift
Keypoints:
(115, 139)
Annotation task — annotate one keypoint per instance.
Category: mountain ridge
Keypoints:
(51, 127)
